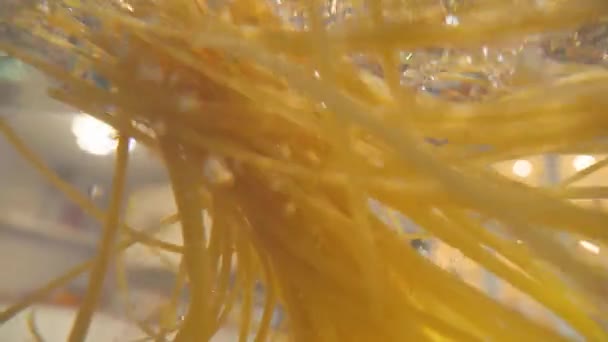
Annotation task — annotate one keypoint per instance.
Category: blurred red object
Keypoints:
(65, 298)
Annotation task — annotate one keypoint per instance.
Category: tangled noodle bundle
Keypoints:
(283, 120)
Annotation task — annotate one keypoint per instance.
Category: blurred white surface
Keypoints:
(54, 324)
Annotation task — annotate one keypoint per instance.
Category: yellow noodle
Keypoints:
(33, 329)
(110, 231)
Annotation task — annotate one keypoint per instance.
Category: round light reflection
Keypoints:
(522, 168)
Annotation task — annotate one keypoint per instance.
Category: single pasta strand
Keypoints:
(96, 278)
(122, 283)
(270, 303)
(245, 258)
(32, 327)
(197, 322)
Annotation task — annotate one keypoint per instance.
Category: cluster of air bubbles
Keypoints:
(463, 74)
(292, 12)
(452, 74)
(588, 45)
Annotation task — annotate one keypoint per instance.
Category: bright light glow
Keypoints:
(582, 162)
(522, 168)
(452, 20)
(95, 137)
(593, 248)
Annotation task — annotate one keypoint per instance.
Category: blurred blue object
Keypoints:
(11, 69)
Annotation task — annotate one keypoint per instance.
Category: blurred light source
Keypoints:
(582, 162)
(94, 136)
(522, 168)
(452, 20)
(593, 248)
